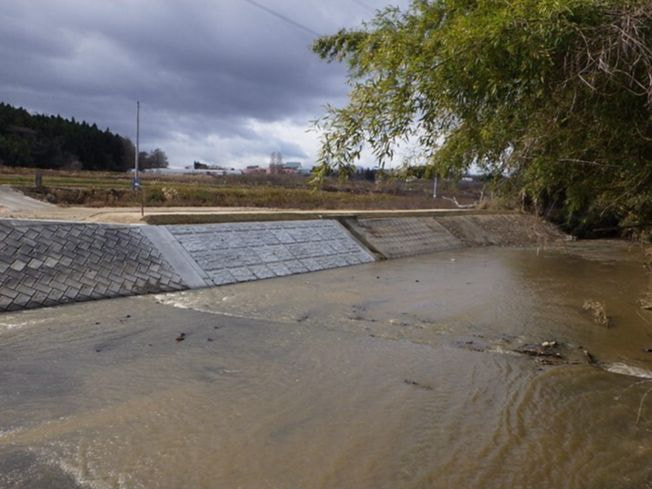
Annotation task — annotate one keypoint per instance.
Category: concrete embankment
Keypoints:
(395, 237)
(50, 263)
(44, 264)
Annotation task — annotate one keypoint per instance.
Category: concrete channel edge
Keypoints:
(46, 263)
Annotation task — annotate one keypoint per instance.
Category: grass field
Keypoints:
(101, 189)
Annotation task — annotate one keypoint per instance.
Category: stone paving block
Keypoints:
(54, 263)
(295, 266)
(280, 269)
(5, 303)
(222, 277)
(283, 236)
(242, 274)
(261, 271)
(311, 264)
(263, 249)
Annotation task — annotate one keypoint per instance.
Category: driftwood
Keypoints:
(460, 206)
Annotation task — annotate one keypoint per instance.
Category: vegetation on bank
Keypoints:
(99, 189)
(553, 94)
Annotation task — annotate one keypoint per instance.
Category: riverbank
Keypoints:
(49, 263)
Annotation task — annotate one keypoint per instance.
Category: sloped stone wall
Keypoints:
(44, 264)
(238, 252)
(402, 236)
(50, 263)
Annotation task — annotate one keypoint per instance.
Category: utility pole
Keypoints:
(434, 188)
(136, 182)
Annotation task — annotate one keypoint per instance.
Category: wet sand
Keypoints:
(398, 374)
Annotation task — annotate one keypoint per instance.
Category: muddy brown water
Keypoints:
(397, 374)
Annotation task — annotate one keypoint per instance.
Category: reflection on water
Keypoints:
(401, 374)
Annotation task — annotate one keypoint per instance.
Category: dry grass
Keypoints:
(107, 189)
(199, 195)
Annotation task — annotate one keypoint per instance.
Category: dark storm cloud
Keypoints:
(210, 74)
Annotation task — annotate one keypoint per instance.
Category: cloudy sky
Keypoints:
(221, 81)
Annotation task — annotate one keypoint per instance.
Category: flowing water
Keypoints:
(400, 374)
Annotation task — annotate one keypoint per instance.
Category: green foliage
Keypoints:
(555, 94)
(43, 141)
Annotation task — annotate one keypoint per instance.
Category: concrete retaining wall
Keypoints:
(407, 236)
(402, 236)
(43, 264)
(501, 229)
(237, 252)
(48, 263)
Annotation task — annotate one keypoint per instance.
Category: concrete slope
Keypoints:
(501, 229)
(43, 264)
(395, 237)
(13, 200)
(407, 236)
(238, 252)
(49, 263)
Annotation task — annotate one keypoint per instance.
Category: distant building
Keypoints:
(254, 170)
(291, 167)
(199, 167)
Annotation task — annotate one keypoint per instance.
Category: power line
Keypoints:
(279, 15)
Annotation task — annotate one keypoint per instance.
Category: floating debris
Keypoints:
(625, 369)
(646, 302)
(598, 311)
(181, 337)
(418, 384)
(589, 357)
(539, 351)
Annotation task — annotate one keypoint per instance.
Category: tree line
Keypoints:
(555, 95)
(53, 142)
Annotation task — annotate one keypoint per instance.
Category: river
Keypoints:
(422, 372)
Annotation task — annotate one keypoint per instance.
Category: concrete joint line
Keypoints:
(178, 258)
(362, 244)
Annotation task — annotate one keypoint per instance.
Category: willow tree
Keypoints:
(554, 94)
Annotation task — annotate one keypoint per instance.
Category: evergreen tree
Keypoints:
(43, 141)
